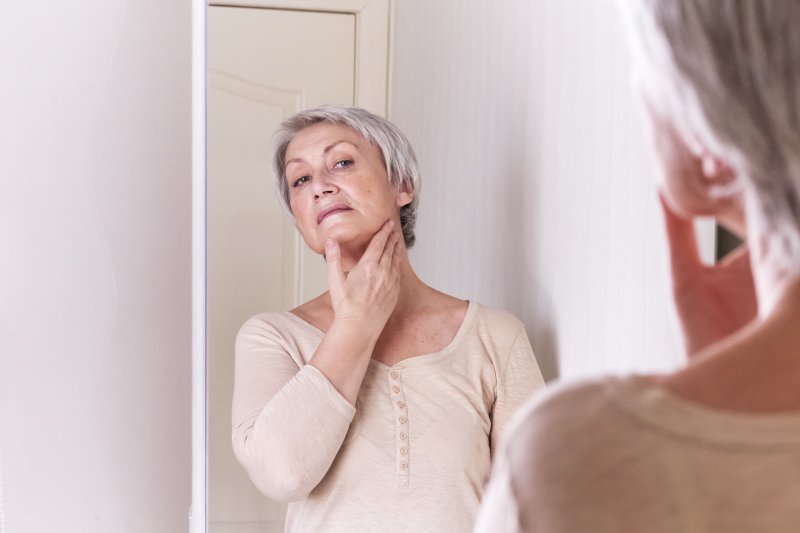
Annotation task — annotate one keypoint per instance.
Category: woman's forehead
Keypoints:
(321, 137)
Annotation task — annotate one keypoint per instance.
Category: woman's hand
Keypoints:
(367, 295)
(712, 302)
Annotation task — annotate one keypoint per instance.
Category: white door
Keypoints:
(263, 66)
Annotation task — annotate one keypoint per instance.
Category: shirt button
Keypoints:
(401, 405)
(403, 420)
(403, 451)
(395, 389)
(402, 436)
(395, 375)
(403, 465)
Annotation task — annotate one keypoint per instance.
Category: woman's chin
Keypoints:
(354, 246)
(350, 242)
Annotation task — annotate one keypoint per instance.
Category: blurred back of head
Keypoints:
(727, 73)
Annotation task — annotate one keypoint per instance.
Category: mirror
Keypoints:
(256, 260)
(535, 179)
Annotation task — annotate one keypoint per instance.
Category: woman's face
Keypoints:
(338, 187)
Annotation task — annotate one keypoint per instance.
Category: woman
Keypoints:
(714, 446)
(377, 405)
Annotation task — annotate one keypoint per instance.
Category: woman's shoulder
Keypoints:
(564, 395)
(568, 411)
(267, 320)
(498, 321)
(275, 325)
(494, 333)
(569, 422)
(276, 334)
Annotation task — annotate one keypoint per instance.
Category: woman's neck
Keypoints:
(774, 274)
(412, 291)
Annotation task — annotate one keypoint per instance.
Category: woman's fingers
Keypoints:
(369, 291)
(738, 258)
(389, 250)
(682, 241)
(333, 258)
(398, 256)
(712, 302)
(378, 244)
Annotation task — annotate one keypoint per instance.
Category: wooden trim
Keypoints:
(372, 57)
(333, 6)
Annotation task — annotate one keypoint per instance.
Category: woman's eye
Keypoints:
(301, 180)
(343, 163)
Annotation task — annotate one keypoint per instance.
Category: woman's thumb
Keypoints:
(333, 258)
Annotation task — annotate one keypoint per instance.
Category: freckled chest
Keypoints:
(420, 336)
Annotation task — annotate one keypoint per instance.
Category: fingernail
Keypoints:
(329, 243)
(391, 223)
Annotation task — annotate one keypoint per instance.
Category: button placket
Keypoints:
(402, 445)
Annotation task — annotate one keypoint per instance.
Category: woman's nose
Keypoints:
(324, 185)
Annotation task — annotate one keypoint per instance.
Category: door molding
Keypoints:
(372, 41)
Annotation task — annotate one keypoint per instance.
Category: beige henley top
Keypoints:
(626, 455)
(415, 452)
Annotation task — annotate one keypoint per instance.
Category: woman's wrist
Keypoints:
(356, 330)
(344, 355)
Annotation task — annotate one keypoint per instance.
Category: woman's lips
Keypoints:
(330, 211)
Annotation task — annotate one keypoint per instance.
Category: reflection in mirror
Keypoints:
(256, 260)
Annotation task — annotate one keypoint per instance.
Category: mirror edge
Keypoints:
(198, 509)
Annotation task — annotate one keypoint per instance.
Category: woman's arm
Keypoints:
(289, 423)
(516, 382)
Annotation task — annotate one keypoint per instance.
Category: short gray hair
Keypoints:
(398, 154)
(730, 72)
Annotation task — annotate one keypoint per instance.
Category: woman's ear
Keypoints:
(404, 196)
(720, 184)
(716, 171)
(718, 174)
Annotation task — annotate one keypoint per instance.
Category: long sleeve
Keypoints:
(288, 422)
(517, 381)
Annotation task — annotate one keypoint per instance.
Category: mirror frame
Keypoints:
(197, 512)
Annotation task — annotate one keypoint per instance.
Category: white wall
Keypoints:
(95, 298)
(537, 190)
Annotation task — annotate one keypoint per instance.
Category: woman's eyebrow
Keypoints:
(325, 151)
(331, 146)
